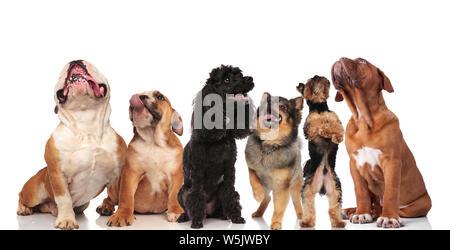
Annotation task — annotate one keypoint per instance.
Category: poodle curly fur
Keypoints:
(210, 155)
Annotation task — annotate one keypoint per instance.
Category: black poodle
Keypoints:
(222, 114)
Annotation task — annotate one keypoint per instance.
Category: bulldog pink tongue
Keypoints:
(136, 102)
(94, 85)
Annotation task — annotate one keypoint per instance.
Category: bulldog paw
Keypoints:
(24, 210)
(275, 225)
(172, 217)
(361, 218)
(238, 220)
(104, 210)
(66, 223)
(389, 222)
(121, 219)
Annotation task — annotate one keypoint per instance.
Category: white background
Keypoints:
(171, 46)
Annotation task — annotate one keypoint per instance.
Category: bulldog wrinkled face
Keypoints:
(80, 86)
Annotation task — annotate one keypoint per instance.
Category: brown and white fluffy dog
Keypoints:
(83, 155)
(388, 183)
(273, 156)
(153, 172)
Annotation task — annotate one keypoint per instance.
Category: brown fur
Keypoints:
(324, 124)
(279, 170)
(133, 192)
(315, 90)
(397, 181)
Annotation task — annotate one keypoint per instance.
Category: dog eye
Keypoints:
(227, 80)
(282, 108)
(160, 97)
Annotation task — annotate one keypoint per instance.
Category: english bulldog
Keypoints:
(153, 172)
(83, 155)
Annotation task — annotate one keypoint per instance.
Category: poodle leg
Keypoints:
(195, 207)
(184, 217)
(229, 197)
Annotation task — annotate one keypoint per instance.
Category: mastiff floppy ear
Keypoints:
(339, 97)
(177, 123)
(386, 82)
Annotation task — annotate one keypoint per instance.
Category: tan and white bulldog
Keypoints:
(83, 155)
(153, 174)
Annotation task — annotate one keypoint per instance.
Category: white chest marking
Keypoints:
(158, 162)
(367, 155)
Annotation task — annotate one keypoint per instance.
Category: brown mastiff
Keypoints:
(388, 183)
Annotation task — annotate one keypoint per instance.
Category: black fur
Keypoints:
(210, 155)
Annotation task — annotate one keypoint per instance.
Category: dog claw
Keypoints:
(361, 218)
(389, 222)
(238, 220)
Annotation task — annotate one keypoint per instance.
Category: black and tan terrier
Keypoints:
(324, 132)
(273, 156)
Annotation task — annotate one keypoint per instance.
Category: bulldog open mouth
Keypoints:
(79, 78)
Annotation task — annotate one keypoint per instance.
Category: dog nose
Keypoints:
(249, 79)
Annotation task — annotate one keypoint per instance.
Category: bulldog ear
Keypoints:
(339, 97)
(386, 82)
(265, 97)
(301, 87)
(177, 123)
(130, 113)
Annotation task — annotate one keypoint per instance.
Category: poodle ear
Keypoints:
(386, 82)
(177, 123)
(339, 97)
(301, 87)
(266, 96)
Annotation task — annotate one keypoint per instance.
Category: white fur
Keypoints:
(389, 222)
(367, 155)
(361, 218)
(87, 161)
(158, 161)
(66, 215)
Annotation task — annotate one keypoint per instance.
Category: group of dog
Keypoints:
(154, 174)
